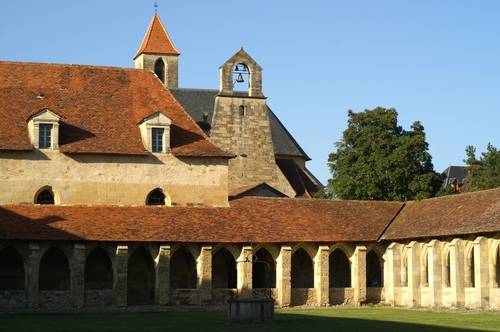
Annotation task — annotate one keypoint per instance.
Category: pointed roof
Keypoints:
(156, 40)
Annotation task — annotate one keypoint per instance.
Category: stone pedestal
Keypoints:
(250, 310)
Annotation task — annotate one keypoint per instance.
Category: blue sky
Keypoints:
(434, 61)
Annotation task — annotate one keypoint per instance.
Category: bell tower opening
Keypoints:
(160, 69)
(241, 78)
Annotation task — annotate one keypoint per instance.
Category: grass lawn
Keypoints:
(371, 319)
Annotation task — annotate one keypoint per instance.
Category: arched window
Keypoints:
(263, 270)
(223, 269)
(46, 196)
(160, 69)
(98, 270)
(140, 278)
(404, 271)
(302, 270)
(340, 269)
(54, 270)
(156, 197)
(447, 270)
(182, 270)
(11, 270)
(425, 267)
(373, 270)
(470, 270)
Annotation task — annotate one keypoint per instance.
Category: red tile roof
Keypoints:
(100, 109)
(247, 220)
(454, 215)
(156, 40)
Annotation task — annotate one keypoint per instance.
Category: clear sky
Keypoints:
(434, 61)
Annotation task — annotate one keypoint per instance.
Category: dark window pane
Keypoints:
(156, 197)
(45, 197)
(157, 139)
(44, 136)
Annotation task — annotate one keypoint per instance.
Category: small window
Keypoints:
(157, 139)
(45, 197)
(243, 110)
(45, 136)
(156, 197)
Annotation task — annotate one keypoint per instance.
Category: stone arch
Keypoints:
(45, 195)
(224, 272)
(374, 269)
(339, 269)
(447, 267)
(98, 270)
(12, 270)
(183, 272)
(425, 267)
(302, 269)
(54, 270)
(141, 276)
(263, 269)
(159, 69)
(470, 268)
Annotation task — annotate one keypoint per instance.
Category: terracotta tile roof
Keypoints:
(156, 40)
(247, 220)
(100, 108)
(454, 215)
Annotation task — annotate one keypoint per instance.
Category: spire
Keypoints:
(156, 40)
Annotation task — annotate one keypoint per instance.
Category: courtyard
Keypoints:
(294, 319)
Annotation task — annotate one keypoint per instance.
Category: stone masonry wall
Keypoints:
(113, 180)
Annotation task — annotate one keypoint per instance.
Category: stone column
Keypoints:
(359, 274)
(162, 280)
(481, 271)
(204, 268)
(393, 273)
(321, 275)
(283, 276)
(120, 280)
(457, 273)
(435, 271)
(244, 272)
(414, 272)
(78, 275)
(32, 273)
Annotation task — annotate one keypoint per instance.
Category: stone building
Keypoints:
(121, 189)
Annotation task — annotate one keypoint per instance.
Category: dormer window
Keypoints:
(155, 133)
(157, 139)
(44, 129)
(45, 136)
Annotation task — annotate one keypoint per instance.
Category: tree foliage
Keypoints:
(482, 173)
(377, 159)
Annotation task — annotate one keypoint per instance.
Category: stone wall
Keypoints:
(113, 180)
(431, 291)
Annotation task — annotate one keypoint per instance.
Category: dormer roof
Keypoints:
(156, 40)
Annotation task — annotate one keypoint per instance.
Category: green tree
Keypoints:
(377, 159)
(483, 173)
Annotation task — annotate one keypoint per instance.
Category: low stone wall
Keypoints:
(12, 299)
(99, 298)
(221, 295)
(471, 298)
(303, 296)
(55, 299)
(185, 296)
(341, 296)
(264, 293)
(374, 294)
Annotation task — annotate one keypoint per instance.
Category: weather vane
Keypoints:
(156, 7)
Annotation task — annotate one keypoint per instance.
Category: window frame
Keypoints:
(45, 135)
(157, 142)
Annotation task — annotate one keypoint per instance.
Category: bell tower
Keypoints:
(158, 54)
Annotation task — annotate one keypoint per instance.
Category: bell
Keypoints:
(240, 78)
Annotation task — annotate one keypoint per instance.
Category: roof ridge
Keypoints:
(35, 63)
(469, 193)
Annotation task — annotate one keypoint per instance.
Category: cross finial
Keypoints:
(156, 7)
